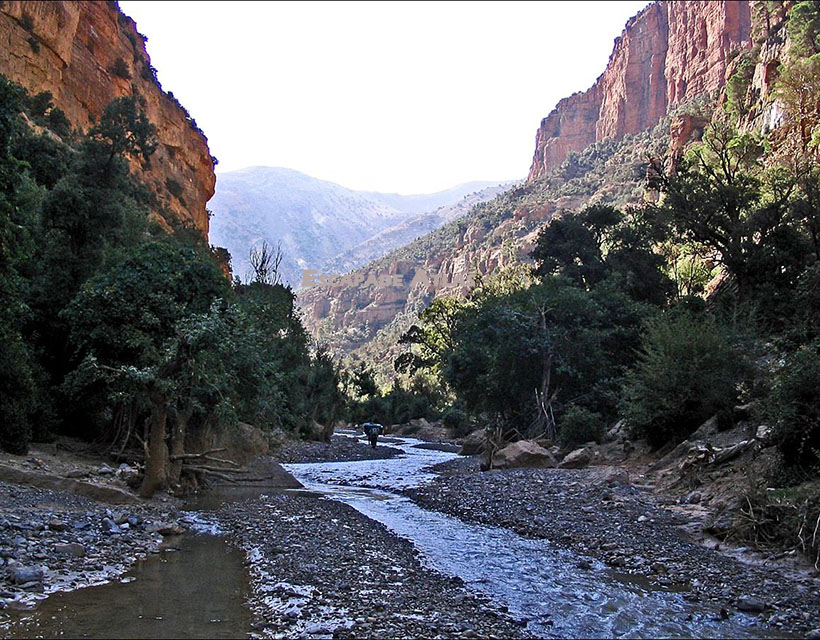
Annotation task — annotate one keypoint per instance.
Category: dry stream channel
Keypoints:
(197, 587)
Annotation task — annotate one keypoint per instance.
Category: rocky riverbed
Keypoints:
(56, 541)
(600, 515)
(319, 567)
(339, 449)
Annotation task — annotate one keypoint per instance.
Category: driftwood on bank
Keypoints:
(205, 455)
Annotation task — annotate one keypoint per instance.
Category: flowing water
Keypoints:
(198, 586)
(536, 581)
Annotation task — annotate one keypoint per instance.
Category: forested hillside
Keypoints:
(680, 290)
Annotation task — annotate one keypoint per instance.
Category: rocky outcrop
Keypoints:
(88, 53)
(667, 55)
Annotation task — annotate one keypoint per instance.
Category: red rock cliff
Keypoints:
(71, 49)
(671, 52)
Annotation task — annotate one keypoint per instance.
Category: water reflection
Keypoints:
(195, 589)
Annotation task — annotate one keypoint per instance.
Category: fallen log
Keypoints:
(205, 455)
(210, 472)
(205, 467)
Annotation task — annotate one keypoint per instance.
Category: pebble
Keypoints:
(66, 551)
(377, 599)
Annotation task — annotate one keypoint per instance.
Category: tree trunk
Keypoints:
(178, 442)
(156, 461)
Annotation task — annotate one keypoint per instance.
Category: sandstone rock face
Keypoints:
(668, 54)
(524, 453)
(70, 49)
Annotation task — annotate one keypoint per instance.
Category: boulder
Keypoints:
(524, 453)
(474, 443)
(577, 459)
(110, 526)
(241, 443)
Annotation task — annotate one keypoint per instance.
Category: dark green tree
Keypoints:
(602, 242)
(128, 325)
(16, 378)
(722, 200)
(687, 372)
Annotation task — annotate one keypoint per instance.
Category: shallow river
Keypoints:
(536, 581)
(199, 588)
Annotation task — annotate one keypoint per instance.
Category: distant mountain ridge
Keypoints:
(408, 230)
(314, 220)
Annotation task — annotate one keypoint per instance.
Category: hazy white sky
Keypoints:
(392, 96)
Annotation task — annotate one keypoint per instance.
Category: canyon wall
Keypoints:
(668, 54)
(88, 53)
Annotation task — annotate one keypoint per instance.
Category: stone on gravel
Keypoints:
(616, 431)
(750, 604)
(23, 575)
(764, 433)
(524, 453)
(70, 548)
(57, 525)
(111, 526)
(168, 529)
(577, 459)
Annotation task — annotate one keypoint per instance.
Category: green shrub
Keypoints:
(456, 420)
(687, 372)
(579, 425)
(794, 406)
(120, 69)
(58, 122)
